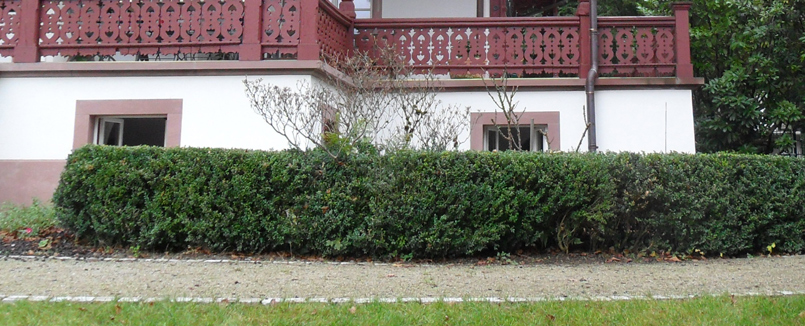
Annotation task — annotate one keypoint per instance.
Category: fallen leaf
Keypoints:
(314, 312)
(118, 308)
(551, 317)
(353, 310)
(732, 297)
(391, 275)
(613, 260)
(673, 259)
(802, 314)
(82, 309)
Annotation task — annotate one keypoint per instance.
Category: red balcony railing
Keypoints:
(315, 29)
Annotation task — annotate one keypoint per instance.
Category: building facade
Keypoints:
(170, 73)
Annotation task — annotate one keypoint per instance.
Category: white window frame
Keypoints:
(100, 130)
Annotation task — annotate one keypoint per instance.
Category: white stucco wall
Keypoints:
(429, 8)
(636, 120)
(37, 115)
(627, 120)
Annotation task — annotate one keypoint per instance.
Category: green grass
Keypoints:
(701, 311)
(16, 219)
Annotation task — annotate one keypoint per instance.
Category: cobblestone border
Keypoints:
(423, 300)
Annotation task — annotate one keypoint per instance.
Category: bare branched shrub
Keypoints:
(373, 99)
(503, 97)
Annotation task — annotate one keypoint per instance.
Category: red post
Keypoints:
(309, 34)
(583, 12)
(250, 47)
(27, 49)
(684, 69)
(347, 7)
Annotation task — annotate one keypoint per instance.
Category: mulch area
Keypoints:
(57, 242)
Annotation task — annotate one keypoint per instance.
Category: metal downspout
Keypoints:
(592, 75)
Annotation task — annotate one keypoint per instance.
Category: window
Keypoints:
(363, 8)
(130, 131)
(128, 122)
(544, 135)
(529, 138)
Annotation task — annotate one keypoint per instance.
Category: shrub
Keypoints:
(429, 204)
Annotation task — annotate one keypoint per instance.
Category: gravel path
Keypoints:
(55, 278)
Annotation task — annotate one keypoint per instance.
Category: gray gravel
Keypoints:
(324, 280)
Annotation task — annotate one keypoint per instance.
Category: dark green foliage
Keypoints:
(427, 204)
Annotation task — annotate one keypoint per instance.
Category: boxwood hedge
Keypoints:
(426, 204)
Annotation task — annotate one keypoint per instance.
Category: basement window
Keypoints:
(530, 138)
(130, 131)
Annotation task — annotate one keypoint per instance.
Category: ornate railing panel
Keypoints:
(637, 46)
(9, 25)
(73, 27)
(524, 47)
(333, 30)
(316, 29)
(281, 26)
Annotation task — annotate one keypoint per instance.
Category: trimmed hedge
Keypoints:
(424, 204)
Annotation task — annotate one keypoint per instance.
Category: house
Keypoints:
(170, 72)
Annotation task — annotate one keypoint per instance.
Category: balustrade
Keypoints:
(316, 29)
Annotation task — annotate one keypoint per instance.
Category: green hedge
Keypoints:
(423, 204)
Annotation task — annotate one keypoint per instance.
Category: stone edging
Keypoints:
(209, 261)
(423, 300)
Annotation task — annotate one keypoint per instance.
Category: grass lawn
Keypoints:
(724, 310)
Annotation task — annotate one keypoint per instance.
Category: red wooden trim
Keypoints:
(177, 68)
(308, 39)
(466, 22)
(481, 119)
(684, 68)
(339, 16)
(585, 36)
(87, 111)
(250, 48)
(27, 49)
(657, 21)
(347, 7)
(138, 45)
(450, 85)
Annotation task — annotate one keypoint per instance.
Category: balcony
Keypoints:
(263, 30)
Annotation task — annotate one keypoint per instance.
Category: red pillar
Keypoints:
(347, 7)
(309, 34)
(583, 12)
(684, 69)
(27, 48)
(250, 46)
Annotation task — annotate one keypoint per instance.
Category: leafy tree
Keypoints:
(751, 54)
